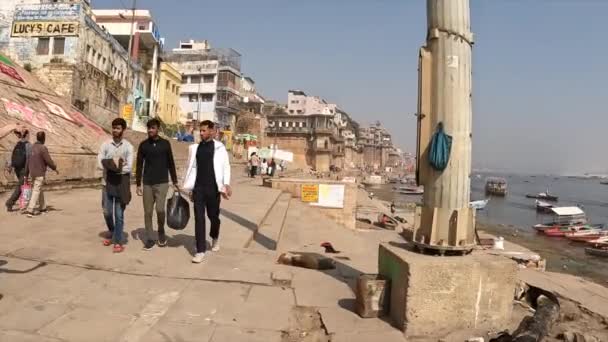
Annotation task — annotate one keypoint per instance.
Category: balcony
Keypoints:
(288, 130)
(232, 104)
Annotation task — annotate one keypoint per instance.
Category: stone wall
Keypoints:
(298, 145)
(344, 216)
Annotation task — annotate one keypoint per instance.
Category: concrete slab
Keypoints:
(267, 235)
(19, 336)
(474, 291)
(317, 289)
(342, 320)
(31, 316)
(392, 336)
(235, 334)
(266, 308)
(170, 331)
(88, 325)
(282, 277)
(208, 302)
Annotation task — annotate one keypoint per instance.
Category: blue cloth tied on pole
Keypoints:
(441, 146)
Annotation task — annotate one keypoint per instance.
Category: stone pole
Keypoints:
(446, 222)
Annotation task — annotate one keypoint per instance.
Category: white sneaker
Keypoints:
(215, 245)
(198, 258)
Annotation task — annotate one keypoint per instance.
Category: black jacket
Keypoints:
(117, 184)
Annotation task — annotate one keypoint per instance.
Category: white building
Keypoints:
(211, 82)
(298, 103)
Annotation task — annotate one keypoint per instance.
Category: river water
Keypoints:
(514, 215)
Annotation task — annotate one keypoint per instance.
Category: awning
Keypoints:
(568, 211)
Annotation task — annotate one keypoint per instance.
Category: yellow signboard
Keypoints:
(44, 28)
(310, 193)
(127, 112)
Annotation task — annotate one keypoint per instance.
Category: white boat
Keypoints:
(479, 205)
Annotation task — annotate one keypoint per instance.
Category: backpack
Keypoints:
(19, 156)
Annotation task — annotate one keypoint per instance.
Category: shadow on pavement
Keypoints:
(6, 270)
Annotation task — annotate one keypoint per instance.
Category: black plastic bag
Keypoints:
(178, 212)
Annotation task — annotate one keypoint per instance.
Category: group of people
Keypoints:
(207, 180)
(29, 163)
(259, 166)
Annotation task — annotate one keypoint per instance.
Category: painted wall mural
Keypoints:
(27, 114)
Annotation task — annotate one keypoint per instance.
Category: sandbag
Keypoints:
(440, 149)
(178, 212)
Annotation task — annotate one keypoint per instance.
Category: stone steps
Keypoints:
(268, 233)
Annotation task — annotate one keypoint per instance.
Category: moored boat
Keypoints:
(544, 196)
(587, 235)
(563, 217)
(479, 205)
(562, 231)
(496, 186)
(544, 207)
(597, 251)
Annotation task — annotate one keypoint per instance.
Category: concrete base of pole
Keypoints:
(433, 296)
(444, 229)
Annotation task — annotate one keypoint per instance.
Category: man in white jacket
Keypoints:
(208, 177)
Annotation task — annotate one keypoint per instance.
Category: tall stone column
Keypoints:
(446, 222)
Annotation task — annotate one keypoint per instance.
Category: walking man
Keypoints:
(255, 162)
(116, 159)
(208, 177)
(21, 154)
(37, 164)
(155, 162)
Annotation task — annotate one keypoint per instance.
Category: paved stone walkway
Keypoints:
(60, 284)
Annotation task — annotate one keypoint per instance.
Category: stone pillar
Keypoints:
(447, 222)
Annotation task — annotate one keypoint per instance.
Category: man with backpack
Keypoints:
(19, 158)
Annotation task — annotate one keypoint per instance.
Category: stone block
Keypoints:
(281, 278)
(431, 295)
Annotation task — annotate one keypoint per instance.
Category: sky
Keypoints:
(540, 68)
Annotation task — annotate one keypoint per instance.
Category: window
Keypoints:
(43, 46)
(193, 98)
(167, 84)
(280, 123)
(291, 111)
(299, 111)
(207, 97)
(208, 78)
(304, 124)
(301, 124)
(295, 101)
(173, 88)
(58, 46)
(195, 79)
(184, 79)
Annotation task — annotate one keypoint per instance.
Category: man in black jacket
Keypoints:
(155, 162)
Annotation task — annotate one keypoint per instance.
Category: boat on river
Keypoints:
(546, 196)
(544, 207)
(597, 251)
(562, 231)
(496, 186)
(563, 217)
(587, 235)
(409, 190)
(479, 205)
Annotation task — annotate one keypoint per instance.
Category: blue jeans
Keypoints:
(114, 214)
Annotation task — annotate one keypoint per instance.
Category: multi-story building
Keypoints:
(211, 82)
(170, 81)
(136, 31)
(377, 145)
(62, 45)
(298, 103)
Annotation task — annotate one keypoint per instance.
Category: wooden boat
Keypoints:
(561, 232)
(597, 251)
(596, 232)
(479, 205)
(544, 196)
(563, 217)
(602, 241)
(496, 186)
(544, 207)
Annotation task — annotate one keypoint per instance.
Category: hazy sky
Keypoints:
(540, 67)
